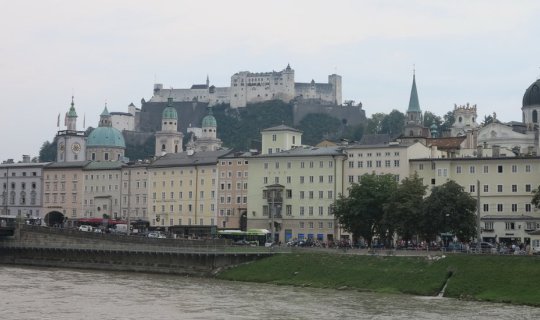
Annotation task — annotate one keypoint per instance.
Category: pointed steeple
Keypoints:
(414, 105)
(72, 112)
(207, 81)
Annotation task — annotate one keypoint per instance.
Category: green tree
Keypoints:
(448, 121)
(431, 118)
(362, 212)
(374, 123)
(318, 126)
(536, 197)
(404, 208)
(449, 209)
(47, 152)
(393, 123)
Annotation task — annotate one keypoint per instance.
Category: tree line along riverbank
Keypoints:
(508, 279)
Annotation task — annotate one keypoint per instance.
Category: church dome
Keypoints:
(170, 113)
(209, 121)
(532, 94)
(106, 137)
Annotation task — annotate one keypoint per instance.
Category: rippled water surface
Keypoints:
(38, 293)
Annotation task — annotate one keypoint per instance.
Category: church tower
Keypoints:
(414, 121)
(169, 140)
(208, 141)
(70, 142)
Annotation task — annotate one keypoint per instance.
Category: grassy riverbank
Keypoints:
(511, 279)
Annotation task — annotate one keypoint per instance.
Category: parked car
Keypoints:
(157, 234)
(86, 228)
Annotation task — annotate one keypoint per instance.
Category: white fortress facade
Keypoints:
(247, 87)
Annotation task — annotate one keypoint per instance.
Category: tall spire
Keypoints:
(414, 105)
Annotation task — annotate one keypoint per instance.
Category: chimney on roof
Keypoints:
(25, 158)
(479, 151)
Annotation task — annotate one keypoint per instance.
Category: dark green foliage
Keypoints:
(448, 121)
(403, 211)
(393, 123)
(431, 118)
(374, 123)
(141, 152)
(317, 127)
(536, 197)
(237, 127)
(47, 153)
(362, 212)
(449, 209)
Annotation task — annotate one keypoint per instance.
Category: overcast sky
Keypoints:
(482, 52)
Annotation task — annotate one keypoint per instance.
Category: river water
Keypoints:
(47, 293)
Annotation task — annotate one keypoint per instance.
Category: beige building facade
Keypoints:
(506, 185)
(232, 190)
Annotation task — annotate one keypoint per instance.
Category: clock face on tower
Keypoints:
(76, 147)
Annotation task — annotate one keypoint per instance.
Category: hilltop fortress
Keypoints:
(247, 87)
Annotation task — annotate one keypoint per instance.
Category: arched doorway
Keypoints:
(54, 218)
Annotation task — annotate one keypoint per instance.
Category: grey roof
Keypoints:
(104, 165)
(115, 113)
(184, 159)
(199, 86)
(24, 165)
(281, 127)
(372, 146)
(305, 151)
(512, 217)
(478, 159)
(71, 164)
(378, 138)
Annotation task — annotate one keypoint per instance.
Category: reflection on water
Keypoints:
(38, 293)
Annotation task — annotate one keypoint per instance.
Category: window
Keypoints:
(302, 225)
(527, 207)
(321, 194)
(266, 165)
(288, 193)
(288, 179)
(514, 168)
(288, 210)
(486, 188)
(321, 210)
(499, 188)
(458, 169)
(472, 169)
(500, 169)
(387, 163)
(302, 165)
(301, 194)
(311, 179)
(510, 226)
(351, 164)
(486, 169)
(351, 179)
(310, 212)
(301, 179)
(528, 168)
(330, 194)
(514, 207)
(288, 165)
(369, 163)
(360, 164)
(486, 207)
(396, 163)
(488, 226)
(330, 179)
(311, 194)
(472, 188)
(514, 188)
(378, 163)
(527, 188)
(499, 207)
(321, 179)
(277, 165)
(421, 166)
(301, 211)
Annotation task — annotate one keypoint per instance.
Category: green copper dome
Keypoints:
(209, 120)
(169, 112)
(106, 137)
